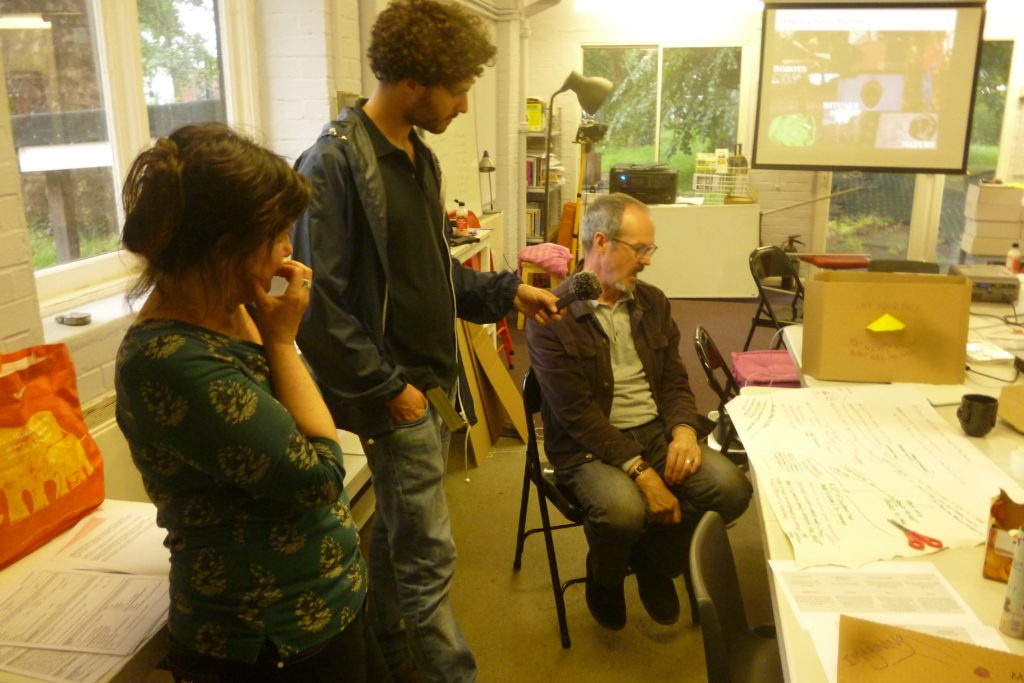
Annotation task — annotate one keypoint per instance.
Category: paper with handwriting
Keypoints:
(839, 465)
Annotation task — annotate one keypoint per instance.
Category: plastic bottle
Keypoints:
(1013, 258)
(462, 220)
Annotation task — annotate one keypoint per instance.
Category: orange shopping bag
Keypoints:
(51, 472)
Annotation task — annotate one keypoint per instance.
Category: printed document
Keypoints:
(914, 595)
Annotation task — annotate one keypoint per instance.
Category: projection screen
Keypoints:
(882, 88)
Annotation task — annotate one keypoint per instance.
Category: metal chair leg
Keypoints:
(556, 585)
(521, 535)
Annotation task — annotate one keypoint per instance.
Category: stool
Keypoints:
(529, 270)
(501, 329)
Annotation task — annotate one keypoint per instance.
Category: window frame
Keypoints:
(119, 43)
(749, 59)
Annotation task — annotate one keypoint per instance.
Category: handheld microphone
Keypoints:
(585, 286)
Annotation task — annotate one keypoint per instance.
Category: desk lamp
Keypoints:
(591, 93)
(487, 166)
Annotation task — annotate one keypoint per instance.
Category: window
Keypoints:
(62, 112)
(59, 124)
(877, 218)
(668, 104)
(181, 62)
(983, 150)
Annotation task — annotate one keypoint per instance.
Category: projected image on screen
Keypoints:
(878, 88)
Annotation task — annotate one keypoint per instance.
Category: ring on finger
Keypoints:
(307, 283)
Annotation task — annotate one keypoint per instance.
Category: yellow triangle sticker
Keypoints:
(886, 323)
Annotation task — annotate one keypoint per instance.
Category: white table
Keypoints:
(961, 567)
(133, 667)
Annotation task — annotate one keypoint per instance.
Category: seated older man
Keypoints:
(621, 425)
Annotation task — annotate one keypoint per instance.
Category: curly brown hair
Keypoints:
(432, 43)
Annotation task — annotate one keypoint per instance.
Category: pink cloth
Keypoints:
(764, 368)
(552, 257)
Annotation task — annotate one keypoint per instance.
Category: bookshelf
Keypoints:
(541, 221)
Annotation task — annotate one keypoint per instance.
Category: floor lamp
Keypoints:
(591, 93)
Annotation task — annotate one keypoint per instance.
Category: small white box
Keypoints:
(1007, 229)
(994, 203)
(988, 246)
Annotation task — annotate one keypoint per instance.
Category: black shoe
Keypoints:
(606, 605)
(658, 595)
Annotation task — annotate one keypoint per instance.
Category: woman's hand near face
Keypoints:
(278, 317)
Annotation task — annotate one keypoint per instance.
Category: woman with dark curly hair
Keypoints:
(380, 334)
(235, 446)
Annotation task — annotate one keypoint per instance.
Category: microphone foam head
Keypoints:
(585, 285)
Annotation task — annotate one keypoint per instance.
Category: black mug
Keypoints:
(977, 414)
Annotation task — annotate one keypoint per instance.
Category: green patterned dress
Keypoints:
(262, 542)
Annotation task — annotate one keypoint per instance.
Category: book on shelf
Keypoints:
(534, 114)
(533, 227)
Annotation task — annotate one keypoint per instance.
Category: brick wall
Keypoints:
(777, 189)
(311, 49)
(20, 324)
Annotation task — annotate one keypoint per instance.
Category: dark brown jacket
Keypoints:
(572, 362)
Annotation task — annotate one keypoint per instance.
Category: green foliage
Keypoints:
(700, 98)
(44, 249)
(167, 46)
(630, 110)
(873, 233)
(990, 94)
(700, 103)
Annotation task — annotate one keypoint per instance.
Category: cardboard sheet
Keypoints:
(878, 653)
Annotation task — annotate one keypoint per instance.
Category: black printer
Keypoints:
(650, 183)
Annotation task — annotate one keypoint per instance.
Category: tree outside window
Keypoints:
(59, 115)
(699, 104)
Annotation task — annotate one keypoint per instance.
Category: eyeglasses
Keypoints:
(640, 250)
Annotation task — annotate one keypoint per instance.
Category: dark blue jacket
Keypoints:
(343, 237)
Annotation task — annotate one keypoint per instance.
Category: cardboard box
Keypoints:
(994, 203)
(1011, 406)
(993, 229)
(988, 246)
(927, 343)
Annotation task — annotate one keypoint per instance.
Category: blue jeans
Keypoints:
(617, 521)
(412, 554)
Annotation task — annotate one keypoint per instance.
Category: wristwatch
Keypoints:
(641, 467)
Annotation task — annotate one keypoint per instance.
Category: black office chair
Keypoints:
(722, 382)
(902, 266)
(780, 292)
(733, 652)
(547, 489)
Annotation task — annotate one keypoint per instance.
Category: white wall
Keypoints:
(311, 49)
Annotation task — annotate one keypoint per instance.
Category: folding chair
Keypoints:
(722, 382)
(733, 652)
(780, 292)
(547, 488)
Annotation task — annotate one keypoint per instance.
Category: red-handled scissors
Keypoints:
(916, 540)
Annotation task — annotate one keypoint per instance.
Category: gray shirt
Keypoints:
(632, 401)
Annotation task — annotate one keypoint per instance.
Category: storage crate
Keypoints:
(713, 187)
